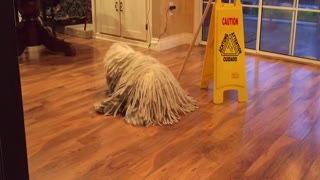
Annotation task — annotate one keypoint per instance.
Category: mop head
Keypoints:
(142, 89)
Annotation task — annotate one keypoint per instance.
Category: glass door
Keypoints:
(278, 27)
(307, 35)
(250, 14)
(250, 18)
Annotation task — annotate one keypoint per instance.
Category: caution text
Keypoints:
(230, 21)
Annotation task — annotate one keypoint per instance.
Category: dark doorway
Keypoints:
(13, 155)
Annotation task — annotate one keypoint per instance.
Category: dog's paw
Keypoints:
(107, 92)
(100, 108)
(134, 121)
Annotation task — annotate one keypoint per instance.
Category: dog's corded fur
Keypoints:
(142, 89)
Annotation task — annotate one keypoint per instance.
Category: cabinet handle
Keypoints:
(121, 7)
(116, 6)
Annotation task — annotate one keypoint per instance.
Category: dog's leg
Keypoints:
(132, 117)
(110, 106)
(107, 91)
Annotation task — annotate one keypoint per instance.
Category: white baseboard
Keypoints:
(171, 41)
(156, 45)
(121, 39)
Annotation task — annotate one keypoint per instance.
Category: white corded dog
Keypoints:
(142, 89)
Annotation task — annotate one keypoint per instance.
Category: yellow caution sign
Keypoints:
(224, 60)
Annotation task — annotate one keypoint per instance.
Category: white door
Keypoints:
(108, 17)
(134, 19)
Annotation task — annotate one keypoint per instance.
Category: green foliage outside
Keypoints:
(71, 8)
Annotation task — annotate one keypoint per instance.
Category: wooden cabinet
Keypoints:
(124, 18)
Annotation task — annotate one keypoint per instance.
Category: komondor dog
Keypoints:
(142, 89)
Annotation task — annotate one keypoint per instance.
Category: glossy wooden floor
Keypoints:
(276, 135)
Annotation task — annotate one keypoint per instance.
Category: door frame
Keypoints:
(13, 151)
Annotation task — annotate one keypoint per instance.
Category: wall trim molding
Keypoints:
(170, 41)
(197, 15)
(156, 44)
(121, 39)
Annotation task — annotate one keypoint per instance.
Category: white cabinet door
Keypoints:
(133, 19)
(108, 17)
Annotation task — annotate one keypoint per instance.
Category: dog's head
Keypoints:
(116, 52)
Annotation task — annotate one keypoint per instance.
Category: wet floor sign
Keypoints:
(224, 60)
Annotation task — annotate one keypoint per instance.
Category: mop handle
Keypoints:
(195, 37)
(86, 17)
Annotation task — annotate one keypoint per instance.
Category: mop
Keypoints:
(142, 89)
